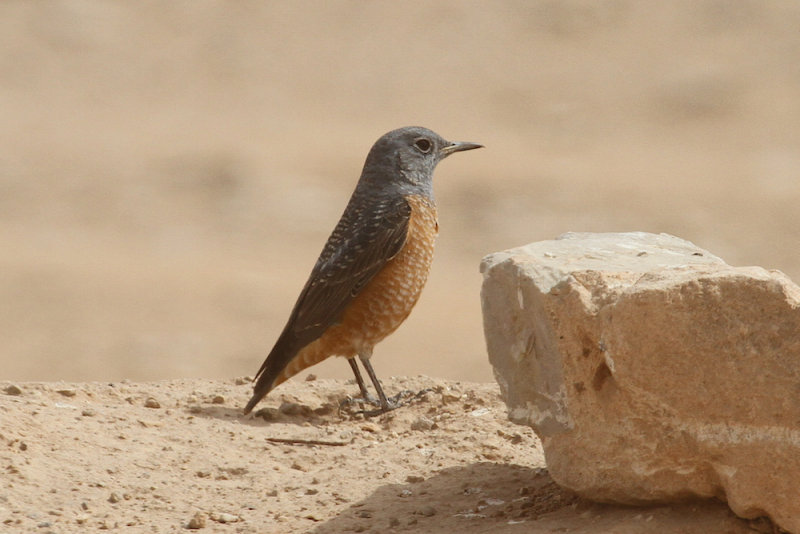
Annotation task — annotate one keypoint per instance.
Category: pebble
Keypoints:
(12, 390)
(311, 377)
(197, 521)
(423, 423)
(426, 511)
(114, 497)
(292, 408)
(268, 414)
(448, 397)
(151, 403)
(218, 399)
(414, 479)
(67, 392)
(88, 412)
(298, 467)
(225, 518)
(325, 409)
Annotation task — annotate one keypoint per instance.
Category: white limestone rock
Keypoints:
(651, 370)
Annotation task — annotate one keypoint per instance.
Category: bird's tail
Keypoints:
(272, 370)
(283, 362)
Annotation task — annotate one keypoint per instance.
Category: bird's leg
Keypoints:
(385, 404)
(364, 393)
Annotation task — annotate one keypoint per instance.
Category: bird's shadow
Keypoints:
(287, 412)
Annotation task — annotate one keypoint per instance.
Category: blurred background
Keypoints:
(169, 170)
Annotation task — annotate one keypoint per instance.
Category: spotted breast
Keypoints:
(385, 301)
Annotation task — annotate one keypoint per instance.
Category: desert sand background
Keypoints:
(169, 171)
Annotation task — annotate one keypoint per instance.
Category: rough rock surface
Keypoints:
(651, 370)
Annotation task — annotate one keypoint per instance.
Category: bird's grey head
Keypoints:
(404, 160)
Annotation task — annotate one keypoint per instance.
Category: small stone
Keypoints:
(88, 412)
(241, 380)
(311, 377)
(225, 518)
(423, 423)
(298, 467)
(325, 409)
(114, 497)
(84, 506)
(197, 521)
(12, 390)
(449, 397)
(426, 511)
(23, 446)
(151, 403)
(218, 399)
(312, 491)
(292, 408)
(364, 514)
(67, 392)
(394, 522)
(272, 493)
(268, 414)
(414, 479)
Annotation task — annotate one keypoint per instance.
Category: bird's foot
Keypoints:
(392, 403)
(355, 405)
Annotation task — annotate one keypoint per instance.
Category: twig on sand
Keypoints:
(299, 441)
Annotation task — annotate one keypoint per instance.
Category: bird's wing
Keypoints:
(356, 251)
(358, 248)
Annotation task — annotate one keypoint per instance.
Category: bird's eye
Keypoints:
(423, 145)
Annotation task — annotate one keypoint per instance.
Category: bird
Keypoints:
(373, 267)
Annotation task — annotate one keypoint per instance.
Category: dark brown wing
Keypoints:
(357, 250)
(367, 236)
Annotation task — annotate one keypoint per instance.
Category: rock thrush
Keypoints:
(373, 267)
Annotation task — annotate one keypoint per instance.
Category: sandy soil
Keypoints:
(167, 456)
(169, 172)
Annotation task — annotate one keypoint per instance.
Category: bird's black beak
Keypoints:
(458, 147)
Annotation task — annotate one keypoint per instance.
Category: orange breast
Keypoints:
(385, 302)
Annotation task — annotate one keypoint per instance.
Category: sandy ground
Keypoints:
(169, 172)
(167, 456)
